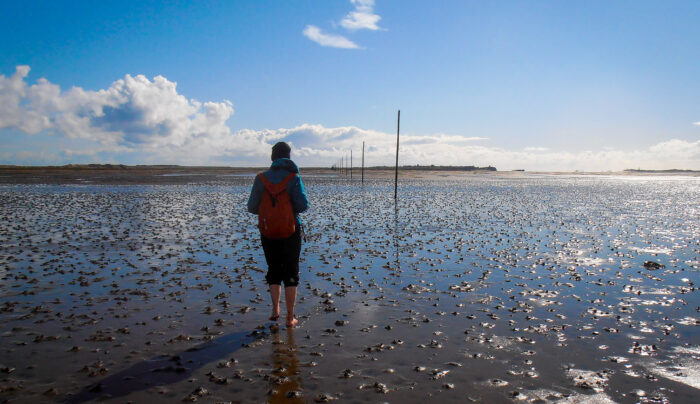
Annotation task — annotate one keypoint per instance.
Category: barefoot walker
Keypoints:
(277, 198)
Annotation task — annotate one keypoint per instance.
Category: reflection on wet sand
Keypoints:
(285, 379)
(485, 288)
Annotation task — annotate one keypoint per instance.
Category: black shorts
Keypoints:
(282, 258)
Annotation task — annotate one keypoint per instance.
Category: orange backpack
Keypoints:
(275, 214)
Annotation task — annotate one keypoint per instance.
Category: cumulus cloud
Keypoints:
(142, 121)
(134, 113)
(362, 17)
(13, 93)
(316, 145)
(331, 40)
(696, 123)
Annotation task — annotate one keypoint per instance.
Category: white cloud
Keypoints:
(362, 17)
(315, 145)
(137, 120)
(696, 123)
(133, 113)
(535, 149)
(331, 40)
(13, 112)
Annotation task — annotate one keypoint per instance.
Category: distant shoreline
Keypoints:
(433, 168)
(404, 167)
(119, 174)
(671, 171)
(179, 167)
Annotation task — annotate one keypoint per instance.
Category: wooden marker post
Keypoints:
(396, 170)
(362, 172)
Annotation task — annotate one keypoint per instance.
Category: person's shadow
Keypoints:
(285, 380)
(162, 370)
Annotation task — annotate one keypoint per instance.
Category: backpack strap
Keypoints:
(276, 189)
(288, 178)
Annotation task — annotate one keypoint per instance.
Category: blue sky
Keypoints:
(546, 85)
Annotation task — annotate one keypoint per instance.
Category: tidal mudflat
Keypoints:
(484, 288)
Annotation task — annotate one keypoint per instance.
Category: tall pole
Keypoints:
(363, 162)
(396, 170)
(350, 163)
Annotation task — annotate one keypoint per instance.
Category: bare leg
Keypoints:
(290, 298)
(275, 292)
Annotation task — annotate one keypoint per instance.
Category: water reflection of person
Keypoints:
(285, 380)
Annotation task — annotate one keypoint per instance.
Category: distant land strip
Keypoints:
(70, 167)
(671, 171)
(175, 166)
(432, 168)
(120, 174)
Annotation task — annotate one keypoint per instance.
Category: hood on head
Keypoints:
(285, 164)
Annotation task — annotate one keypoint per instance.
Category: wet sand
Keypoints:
(109, 174)
(484, 287)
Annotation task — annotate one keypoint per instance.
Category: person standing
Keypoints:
(278, 197)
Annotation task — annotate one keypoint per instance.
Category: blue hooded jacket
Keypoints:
(279, 169)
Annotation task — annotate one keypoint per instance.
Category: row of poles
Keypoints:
(342, 164)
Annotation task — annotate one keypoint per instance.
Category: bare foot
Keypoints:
(274, 317)
(291, 322)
